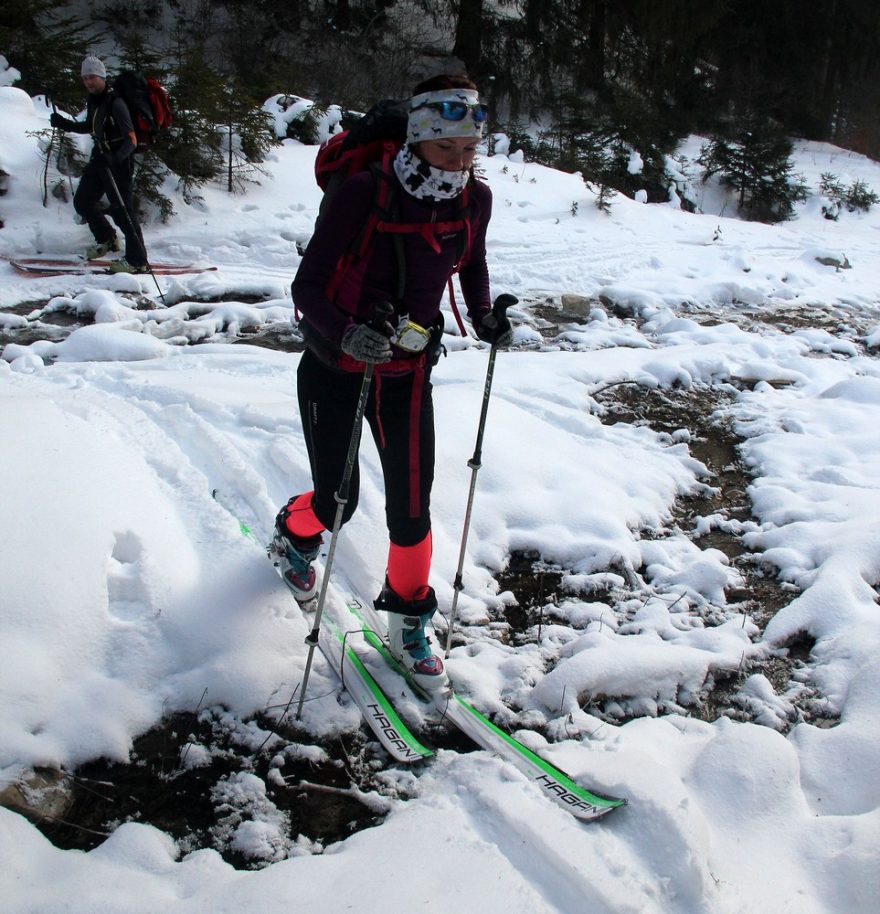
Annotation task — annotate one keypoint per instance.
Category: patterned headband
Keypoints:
(445, 113)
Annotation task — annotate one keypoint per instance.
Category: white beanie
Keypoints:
(91, 66)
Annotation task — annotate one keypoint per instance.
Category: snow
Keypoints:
(129, 592)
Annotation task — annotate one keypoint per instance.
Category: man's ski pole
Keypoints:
(51, 100)
(502, 303)
(384, 310)
(134, 228)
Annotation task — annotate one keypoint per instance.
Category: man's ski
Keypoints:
(560, 787)
(36, 266)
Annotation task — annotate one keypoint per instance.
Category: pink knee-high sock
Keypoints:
(408, 569)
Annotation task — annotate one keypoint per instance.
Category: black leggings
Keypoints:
(400, 413)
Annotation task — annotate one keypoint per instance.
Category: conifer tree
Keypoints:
(47, 46)
(151, 166)
(757, 166)
(469, 36)
(248, 136)
(62, 161)
(195, 153)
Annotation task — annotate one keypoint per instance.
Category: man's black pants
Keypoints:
(93, 186)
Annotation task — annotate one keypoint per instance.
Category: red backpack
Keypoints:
(372, 145)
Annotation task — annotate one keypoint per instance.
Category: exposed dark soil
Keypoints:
(698, 411)
(324, 791)
(162, 786)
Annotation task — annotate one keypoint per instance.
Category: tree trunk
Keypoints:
(469, 36)
(536, 15)
(595, 69)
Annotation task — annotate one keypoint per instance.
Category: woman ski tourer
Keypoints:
(432, 218)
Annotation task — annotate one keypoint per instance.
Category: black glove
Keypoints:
(56, 120)
(365, 344)
(495, 330)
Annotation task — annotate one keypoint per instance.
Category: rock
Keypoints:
(576, 304)
(41, 793)
(835, 262)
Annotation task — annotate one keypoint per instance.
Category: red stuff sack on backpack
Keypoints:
(148, 103)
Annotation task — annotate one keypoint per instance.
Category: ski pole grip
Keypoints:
(381, 318)
(499, 310)
(502, 303)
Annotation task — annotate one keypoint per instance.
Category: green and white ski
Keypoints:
(378, 712)
(552, 781)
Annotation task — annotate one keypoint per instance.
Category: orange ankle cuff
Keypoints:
(409, 568)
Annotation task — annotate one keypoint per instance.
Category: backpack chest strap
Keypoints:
(428, 230)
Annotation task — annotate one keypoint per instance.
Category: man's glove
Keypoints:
(495, 330)
(56, 120)
(365, 344)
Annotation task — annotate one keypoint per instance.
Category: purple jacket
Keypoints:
(374, 278)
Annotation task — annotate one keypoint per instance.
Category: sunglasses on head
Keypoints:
(457, 111)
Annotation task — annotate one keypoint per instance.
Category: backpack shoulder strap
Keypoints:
(385, 209)
(387, 206)
(385, 218)
(103, 114)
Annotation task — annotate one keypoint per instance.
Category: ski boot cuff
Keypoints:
(390, 602)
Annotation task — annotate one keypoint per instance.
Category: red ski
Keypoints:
(59, 266)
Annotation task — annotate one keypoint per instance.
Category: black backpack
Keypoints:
(148, 103)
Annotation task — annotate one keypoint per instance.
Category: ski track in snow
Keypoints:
(581, 868)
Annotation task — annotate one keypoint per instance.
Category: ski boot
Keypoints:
(102, 248)
(123, 266)
(294, 556)
(407, 639)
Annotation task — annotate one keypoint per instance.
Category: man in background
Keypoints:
(109, 171)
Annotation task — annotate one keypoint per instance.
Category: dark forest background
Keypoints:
(578, 84)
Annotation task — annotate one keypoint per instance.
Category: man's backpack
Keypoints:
(372, 143)
(148, 103)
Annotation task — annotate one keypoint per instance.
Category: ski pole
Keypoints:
(50, 96)
(133, 228)
(502, 303)
(51, 101)
(383, 311)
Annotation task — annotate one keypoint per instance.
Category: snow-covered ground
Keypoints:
(128, 591)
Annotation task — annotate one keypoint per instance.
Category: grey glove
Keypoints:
(365, 344)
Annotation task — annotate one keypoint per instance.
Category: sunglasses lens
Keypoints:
(453, 111)
(457, 111)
